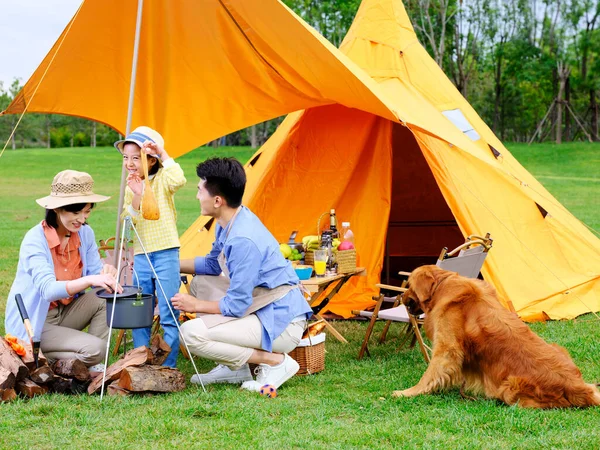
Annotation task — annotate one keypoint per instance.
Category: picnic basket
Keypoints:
(346, 261)
(310, 354)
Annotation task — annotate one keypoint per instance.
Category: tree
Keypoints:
(432, 19)
(471, 19)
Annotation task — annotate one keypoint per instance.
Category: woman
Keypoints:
(58, 261)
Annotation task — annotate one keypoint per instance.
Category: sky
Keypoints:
(28, 29)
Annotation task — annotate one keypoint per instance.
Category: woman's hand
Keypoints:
(107, 281)
(185, 302)
(109, 269)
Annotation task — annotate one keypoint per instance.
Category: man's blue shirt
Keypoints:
(254, 260)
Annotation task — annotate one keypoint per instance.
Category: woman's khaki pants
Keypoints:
(62, 337)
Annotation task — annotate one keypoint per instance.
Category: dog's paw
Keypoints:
(404, 393)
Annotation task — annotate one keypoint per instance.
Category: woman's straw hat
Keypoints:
(70, 187)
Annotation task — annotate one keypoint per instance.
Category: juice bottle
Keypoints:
(346, 233)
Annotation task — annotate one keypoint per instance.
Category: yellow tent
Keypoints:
(413, 187)
(383, 137)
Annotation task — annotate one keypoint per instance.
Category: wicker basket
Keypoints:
(346, 261)
(309, 258)
(310, 354)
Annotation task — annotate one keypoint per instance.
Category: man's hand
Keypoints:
(185, 302)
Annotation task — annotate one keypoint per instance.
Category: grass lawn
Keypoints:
(346, 406)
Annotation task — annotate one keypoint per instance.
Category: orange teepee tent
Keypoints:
(412, 186)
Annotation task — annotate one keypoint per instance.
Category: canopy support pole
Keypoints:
(136, 45)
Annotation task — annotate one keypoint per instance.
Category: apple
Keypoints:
(346, 245)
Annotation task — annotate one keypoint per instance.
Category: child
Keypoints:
(159, 237)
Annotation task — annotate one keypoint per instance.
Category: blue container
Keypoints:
(304, 273)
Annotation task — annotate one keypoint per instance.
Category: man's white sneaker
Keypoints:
(251, 386)
(223, 374)
(276, 375)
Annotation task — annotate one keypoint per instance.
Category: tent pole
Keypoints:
(136, 45)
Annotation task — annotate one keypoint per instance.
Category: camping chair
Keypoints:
(468, 263)
(107, 249)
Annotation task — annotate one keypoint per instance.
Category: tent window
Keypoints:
(495, 152)
(254, 160)
(460, 121)
(542, 211)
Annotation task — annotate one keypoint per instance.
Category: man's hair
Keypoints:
(52, 217)
(224, 177)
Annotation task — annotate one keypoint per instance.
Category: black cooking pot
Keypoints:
(133, 309)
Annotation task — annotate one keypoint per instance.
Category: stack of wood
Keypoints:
(139, 371)
(19, 374)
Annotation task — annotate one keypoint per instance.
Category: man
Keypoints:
(247, 296)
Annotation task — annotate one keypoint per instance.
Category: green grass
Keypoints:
(571, 172)
(346, 406)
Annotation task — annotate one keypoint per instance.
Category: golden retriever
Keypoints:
(486, 349)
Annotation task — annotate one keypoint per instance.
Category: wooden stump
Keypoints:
(152, 378)
(136, 357)
(11, 361)
(30, 389)
(160, 349)
(71, 368)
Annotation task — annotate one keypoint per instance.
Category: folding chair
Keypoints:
(467, 263)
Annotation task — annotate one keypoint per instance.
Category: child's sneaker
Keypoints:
(96, 370)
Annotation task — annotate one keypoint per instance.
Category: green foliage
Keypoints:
(60, 137)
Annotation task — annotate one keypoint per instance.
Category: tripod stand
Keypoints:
(127, 223)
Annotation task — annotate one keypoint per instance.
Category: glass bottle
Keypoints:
(335, 234)
(327, 244)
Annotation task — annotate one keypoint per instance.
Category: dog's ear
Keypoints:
(440, 274)
(421, 282)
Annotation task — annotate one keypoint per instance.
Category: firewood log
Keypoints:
(62, 385)
(160, 349)
(136, 357)
(152, 378)
(29, 389)
(7, 379)
(42, 375)
(7, 395)
(71, 368)
(28, 358)
(115, 390)
(11, 361)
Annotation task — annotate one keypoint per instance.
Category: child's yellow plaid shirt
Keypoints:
(158, 234)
